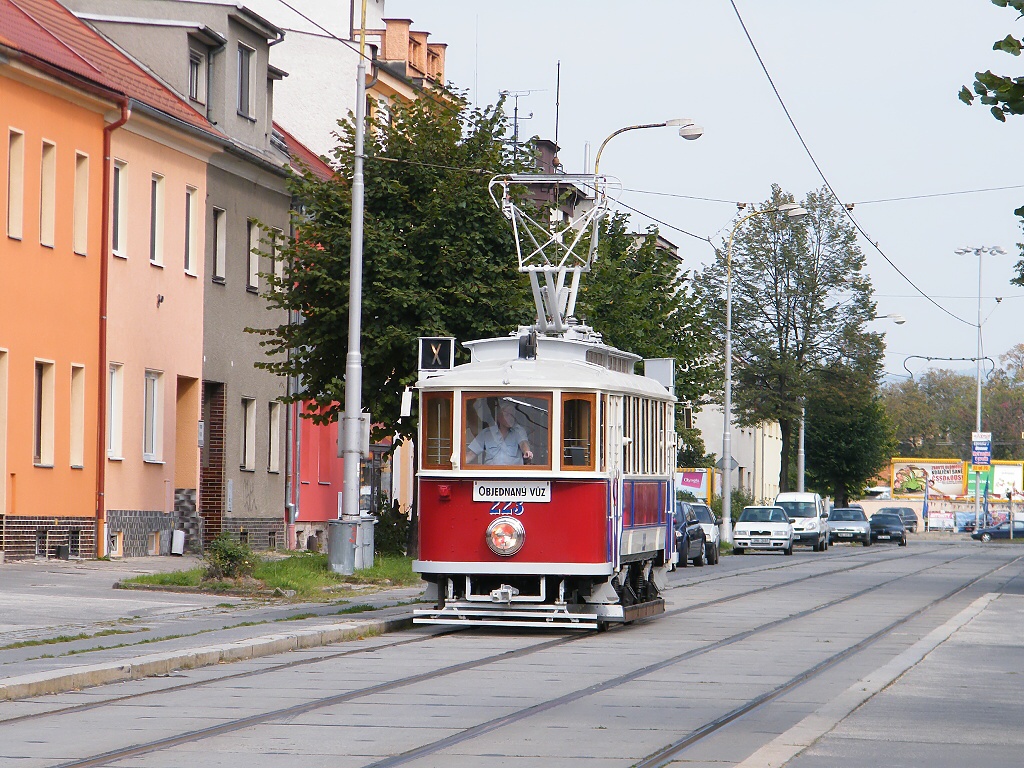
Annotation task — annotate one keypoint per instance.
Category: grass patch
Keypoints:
(66, 638)
(360, 608)
(189, 578)
(388, 570)
(297, 617)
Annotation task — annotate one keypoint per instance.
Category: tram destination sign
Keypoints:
(533, 491)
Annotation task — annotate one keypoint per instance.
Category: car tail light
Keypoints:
(505, 536)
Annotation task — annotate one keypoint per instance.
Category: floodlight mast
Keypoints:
(553, 252)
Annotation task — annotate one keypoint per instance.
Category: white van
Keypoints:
(807, 511)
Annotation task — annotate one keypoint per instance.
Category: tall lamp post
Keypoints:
(792, 211)
(688, 129)
(995, 250)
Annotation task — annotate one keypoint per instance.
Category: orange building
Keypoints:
(101, 292)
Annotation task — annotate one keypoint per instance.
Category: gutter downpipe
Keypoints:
(101, 386)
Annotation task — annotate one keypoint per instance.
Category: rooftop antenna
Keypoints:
(558, 97)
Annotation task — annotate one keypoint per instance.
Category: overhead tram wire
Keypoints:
(938, 194)
(824, 178)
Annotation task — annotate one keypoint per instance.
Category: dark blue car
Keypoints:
(690, 537)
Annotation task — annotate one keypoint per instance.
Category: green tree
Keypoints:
(438, 257)
(1004, 96)
(800, 303)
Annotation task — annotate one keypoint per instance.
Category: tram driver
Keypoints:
(504, 443)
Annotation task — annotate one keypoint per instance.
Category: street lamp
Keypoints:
(794, 212)
(688, 129)
(898, 319)
(995, 250)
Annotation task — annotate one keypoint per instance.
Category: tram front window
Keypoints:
(506, 430)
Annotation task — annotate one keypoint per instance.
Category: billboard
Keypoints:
(943, 477)
(696, 481)
(1000, 477)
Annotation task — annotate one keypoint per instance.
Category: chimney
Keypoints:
(435, 62)
(396, 39)
(418, 52)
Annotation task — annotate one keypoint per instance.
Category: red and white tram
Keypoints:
(582, 534)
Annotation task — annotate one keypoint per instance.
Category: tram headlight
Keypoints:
(505, 536)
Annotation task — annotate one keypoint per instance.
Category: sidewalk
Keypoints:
(63, 626)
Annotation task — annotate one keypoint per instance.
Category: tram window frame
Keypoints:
(542, 453)
(444, 428)
(602, 427)
(591, 401)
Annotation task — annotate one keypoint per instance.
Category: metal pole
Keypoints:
(977, 428)
(727, 400)
(800, 455)
(353, 360)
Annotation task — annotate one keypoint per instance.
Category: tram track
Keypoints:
(483, 728)
(192, 684)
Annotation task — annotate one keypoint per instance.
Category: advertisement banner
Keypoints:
(944, 478)
(1002, 476)
(695, 481)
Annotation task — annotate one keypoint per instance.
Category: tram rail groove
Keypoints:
(287, 712)
(95, 704)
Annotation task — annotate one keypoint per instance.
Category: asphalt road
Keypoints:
(852, 657)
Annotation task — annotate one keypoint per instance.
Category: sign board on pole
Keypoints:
(981, 449)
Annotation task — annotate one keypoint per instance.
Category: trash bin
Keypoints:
(364, 543)
(63, 551)
(342, 540)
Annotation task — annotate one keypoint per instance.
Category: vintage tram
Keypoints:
(545, 481)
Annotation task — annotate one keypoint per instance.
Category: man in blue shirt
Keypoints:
(503, 444)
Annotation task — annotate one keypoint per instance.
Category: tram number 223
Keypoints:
(507, 508)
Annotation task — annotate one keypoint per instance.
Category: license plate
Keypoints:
(759, 541)
(884, 536)
(845, 535)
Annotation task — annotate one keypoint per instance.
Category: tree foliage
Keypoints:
(438, 257)
(1004, 96)
(800, 302)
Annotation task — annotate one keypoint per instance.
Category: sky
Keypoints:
(871, 86)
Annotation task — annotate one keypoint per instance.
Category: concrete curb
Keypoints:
(134, 668)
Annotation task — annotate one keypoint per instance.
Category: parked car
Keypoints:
(807, 511)
(1001, 531)
(908, 515)
(888, 526)
(691, 543)
(712, 534)
(763, 528)
(849, 524)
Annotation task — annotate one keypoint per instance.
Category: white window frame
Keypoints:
(119, 210)
(191, 228)
(80, 238)
(42, 413)
(152, 417)
(220, 245)
(156, 220)
(247, 435)
(246, 64)
(15, 184)
(77, 420)
(252, 239)
(115, 411)
(47, 194)
(197, 76)
(278, 236)
(274, 437)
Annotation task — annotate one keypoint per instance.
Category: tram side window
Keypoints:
(437, 431)
(507, 430)
(578, 431)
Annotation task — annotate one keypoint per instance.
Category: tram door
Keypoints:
(613, 423)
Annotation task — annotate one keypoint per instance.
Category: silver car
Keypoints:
(849, 524)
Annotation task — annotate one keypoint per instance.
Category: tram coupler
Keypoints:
(504, 594)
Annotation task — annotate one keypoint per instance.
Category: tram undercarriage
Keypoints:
(571, 602)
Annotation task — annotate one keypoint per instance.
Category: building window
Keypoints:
(247, 456)
(197, 76)
(278, 237)
(253, 269)
(15, 184)
(156, 220)
(47, 194)
(115, 409)
(42, 421)
(152, 420)
(191, 206)
(246, 58)
(119, 210)
(274, 434)
(220, 245)
(81, 204)
(77, 416)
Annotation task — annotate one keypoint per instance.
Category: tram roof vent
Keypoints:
(662, 370)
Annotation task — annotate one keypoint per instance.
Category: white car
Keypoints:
(810, 520)
(763, 528)
(709, 522)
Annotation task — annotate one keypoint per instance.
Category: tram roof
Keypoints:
(560, 364)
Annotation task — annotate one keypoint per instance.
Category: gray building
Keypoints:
(216, 55)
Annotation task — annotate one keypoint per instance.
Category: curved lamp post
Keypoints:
(995, 250)
(792, 211)
(688, 129)
(898, 319)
